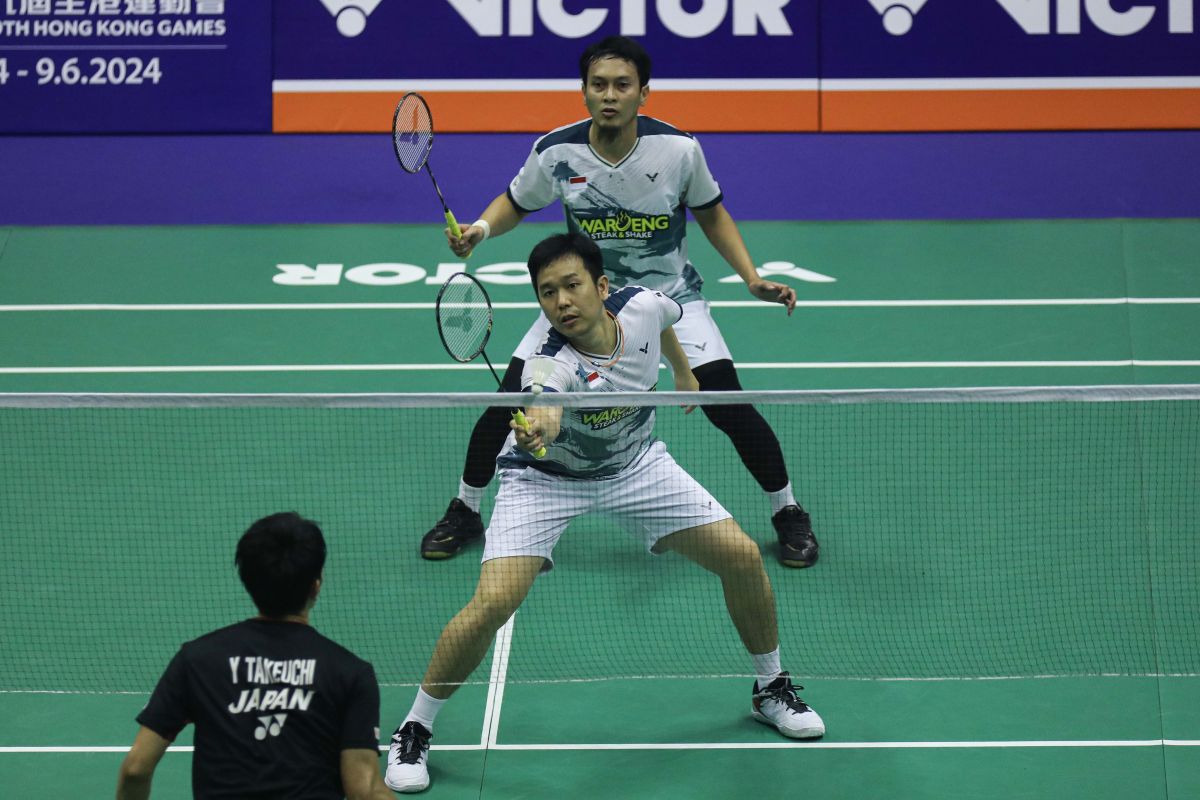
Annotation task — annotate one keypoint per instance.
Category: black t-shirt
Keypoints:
(274, 704)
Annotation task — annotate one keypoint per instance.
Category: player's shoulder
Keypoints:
(256, 634)
(651, 127)
(632, 296)
(553, 345)
(348, 660)
(574, 134)
(620, 298)
(220, 637)
(639, 300)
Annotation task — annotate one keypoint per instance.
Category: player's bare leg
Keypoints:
(503, 584)
(725, 550)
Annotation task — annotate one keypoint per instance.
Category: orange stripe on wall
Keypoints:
(538, 112)
(1013, 109)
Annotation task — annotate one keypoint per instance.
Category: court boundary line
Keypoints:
(496, 682)
(739, 675)
(784, 745)
(532, 305)
(443, 367)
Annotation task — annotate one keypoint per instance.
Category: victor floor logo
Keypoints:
(898, 14)
(351, 15)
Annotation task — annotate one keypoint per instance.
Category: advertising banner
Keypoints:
(891, 65)
(512, 65)
(748, 65)
(151, 66)
(145, 66)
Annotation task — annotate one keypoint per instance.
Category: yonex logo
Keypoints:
(269, 725)
(351, 14)
(897, 14)
(652, 177)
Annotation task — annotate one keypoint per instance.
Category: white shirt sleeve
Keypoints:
(534, 187)
(702, 189)
(669, 311)
(561, 379)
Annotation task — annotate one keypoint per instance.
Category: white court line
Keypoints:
(856, 745)
(1106, 743)
(495, 696)
(531, 305)
(215, 368)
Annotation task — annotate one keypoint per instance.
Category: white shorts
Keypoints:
(651, 499)
(696, 330)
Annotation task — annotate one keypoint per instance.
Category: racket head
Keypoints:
(412, 132)
(464, 316)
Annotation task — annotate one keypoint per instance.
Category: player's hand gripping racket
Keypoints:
(464, 321)
(412, 139)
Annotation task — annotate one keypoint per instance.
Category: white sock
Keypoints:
(782, 498)
(425, 709)
(471, 495)
(767, 666)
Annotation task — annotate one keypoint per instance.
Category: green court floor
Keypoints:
(932, 707)
(886, 305)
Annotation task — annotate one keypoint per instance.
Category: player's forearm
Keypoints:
(502, 215)
(133, 787)
(672, 351)
(723, 233)
(360, 776)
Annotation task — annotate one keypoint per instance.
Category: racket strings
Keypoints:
(412, 133)
(464, 318)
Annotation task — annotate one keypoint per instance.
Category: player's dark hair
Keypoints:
(551, 249)
(617, 47)
(278, 558)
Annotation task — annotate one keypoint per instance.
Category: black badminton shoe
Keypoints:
(455, 530)
(797, 545)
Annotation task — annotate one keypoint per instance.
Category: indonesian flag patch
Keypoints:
(594, 379)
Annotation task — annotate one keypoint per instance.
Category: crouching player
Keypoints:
(599, 342)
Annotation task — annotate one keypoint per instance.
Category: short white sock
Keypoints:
(767, 666)
(782, 499)
(425, 709)
(471, 495)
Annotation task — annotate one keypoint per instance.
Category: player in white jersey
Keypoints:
(601, 459)
(627, 181)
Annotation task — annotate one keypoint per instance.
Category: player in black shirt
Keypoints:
(280, 710)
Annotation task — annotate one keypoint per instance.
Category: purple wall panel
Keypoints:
(131, 180)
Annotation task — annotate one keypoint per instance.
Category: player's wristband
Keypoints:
(487, 227)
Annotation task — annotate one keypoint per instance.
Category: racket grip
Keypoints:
(453, 224)
(519, 416)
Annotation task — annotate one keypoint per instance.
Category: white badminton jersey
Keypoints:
(602, 440)
(634, 210)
